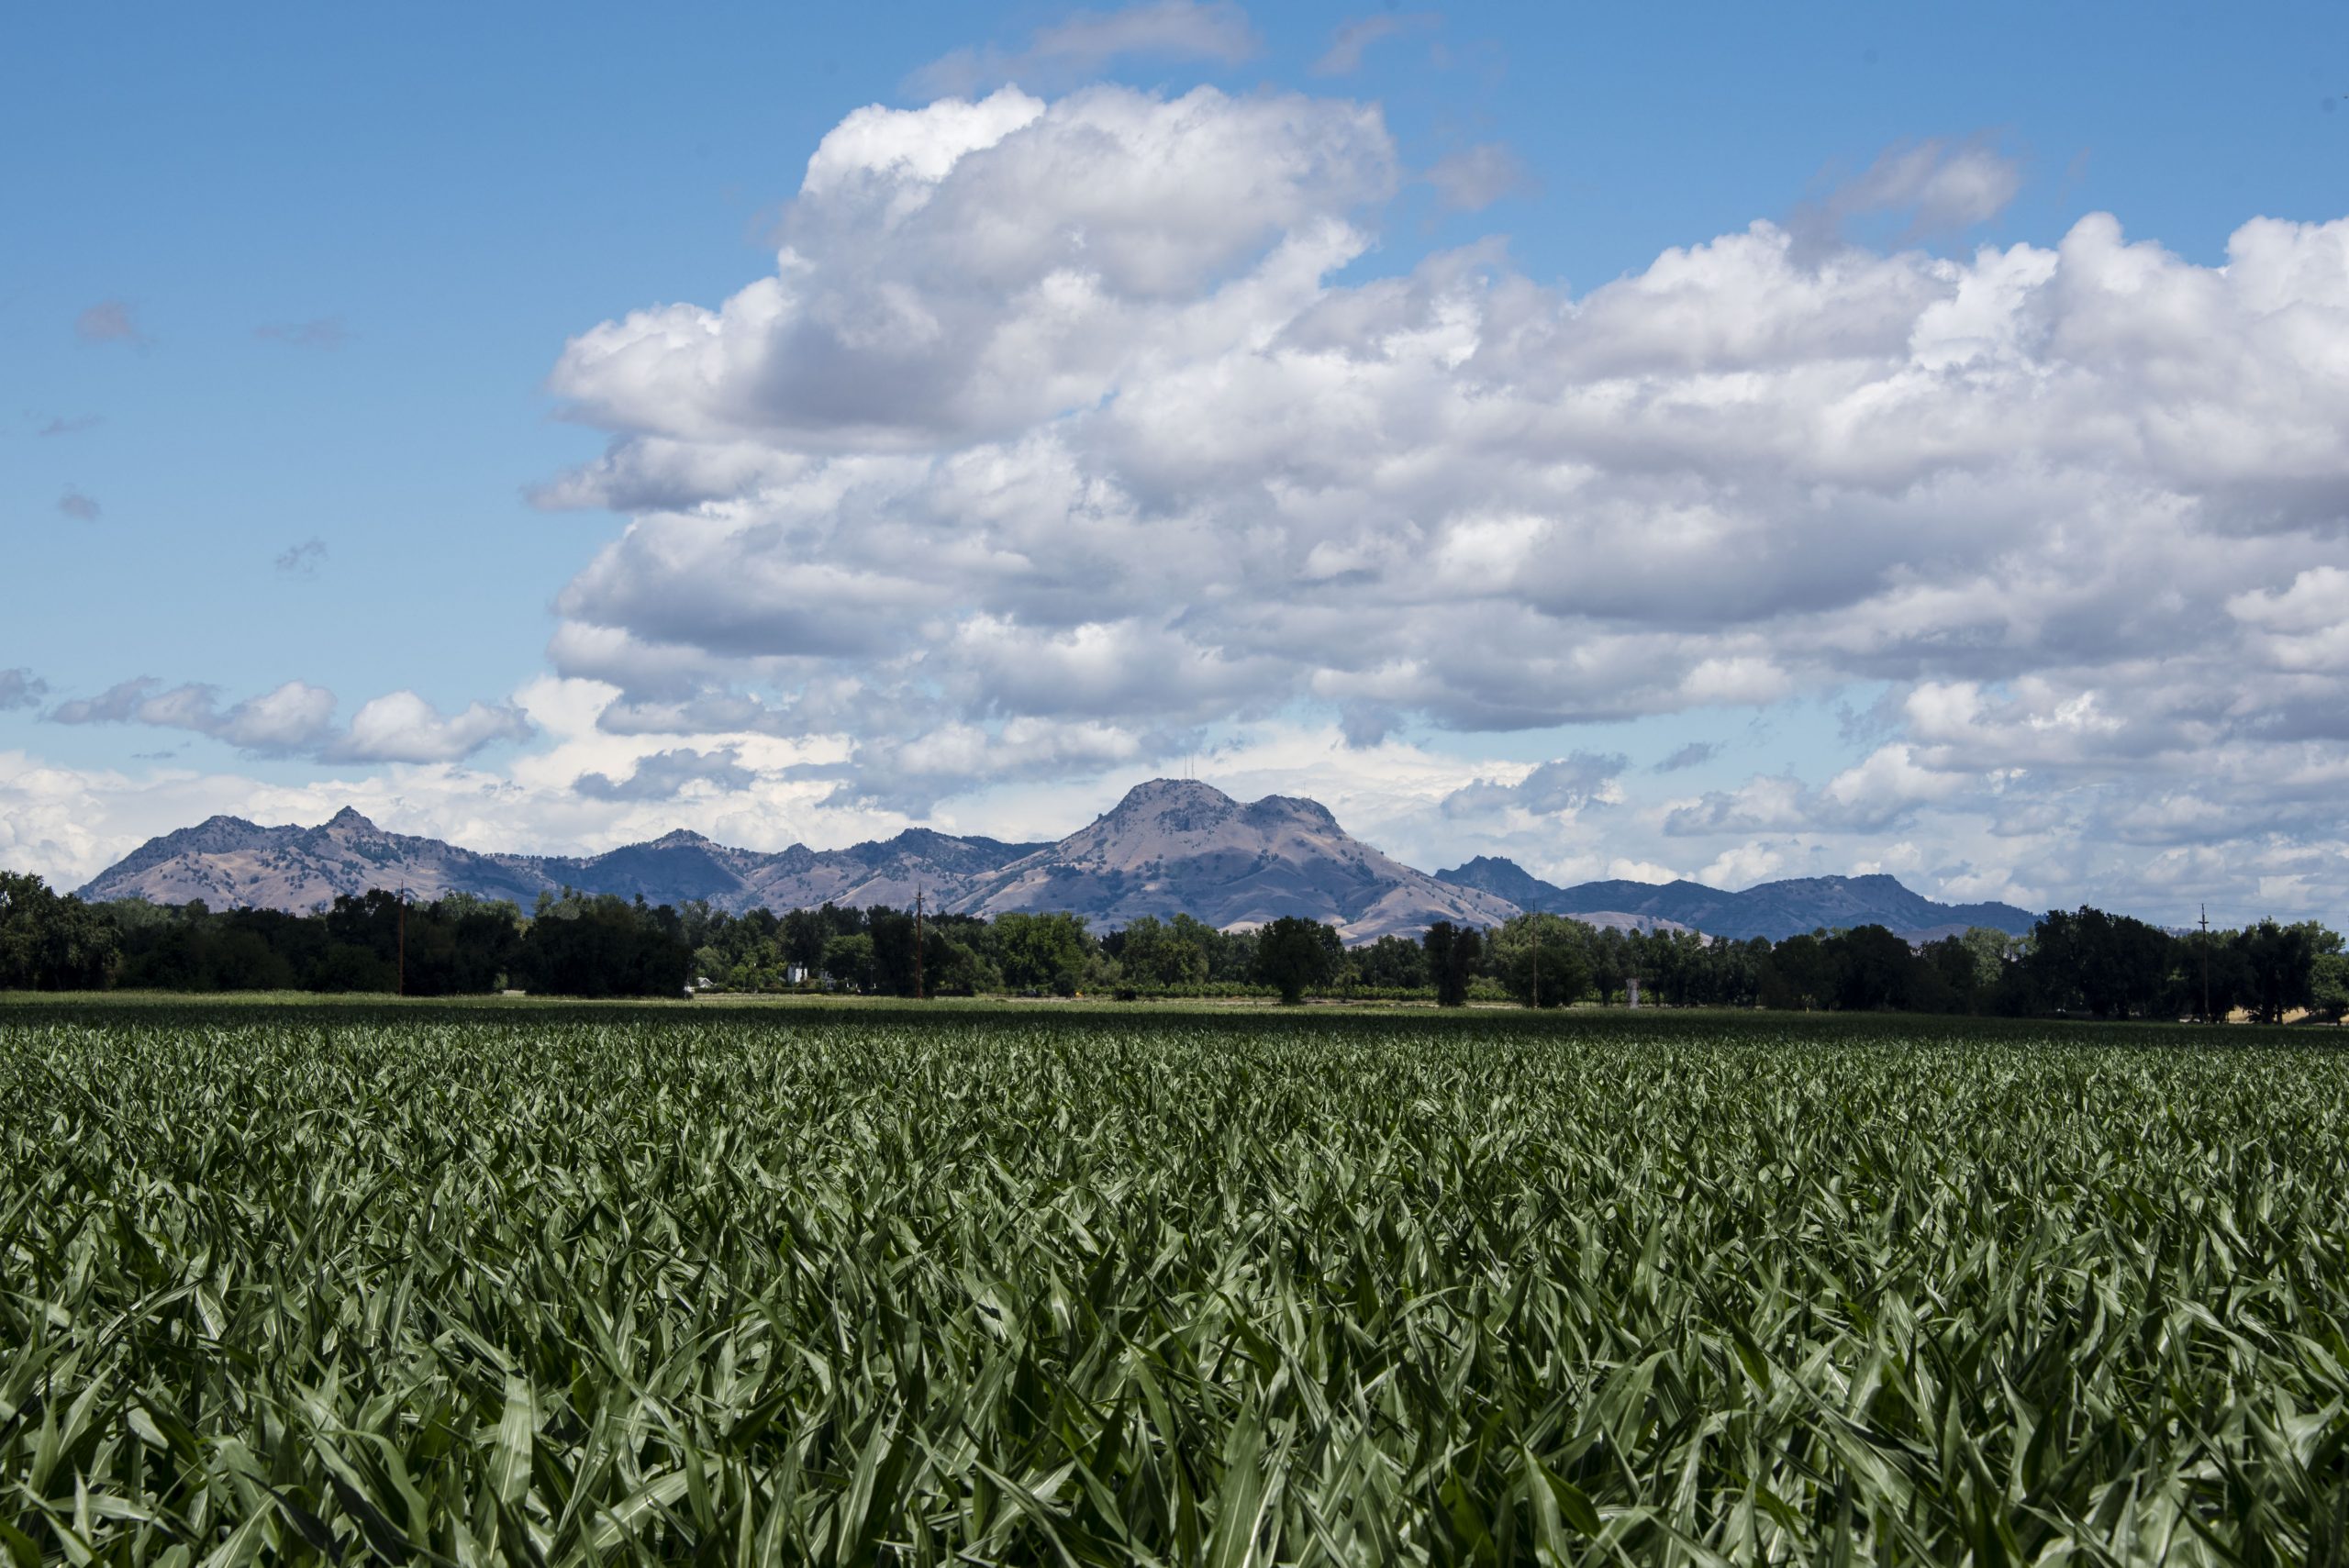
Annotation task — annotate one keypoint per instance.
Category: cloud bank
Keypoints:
(297, 720)
(1073, 414)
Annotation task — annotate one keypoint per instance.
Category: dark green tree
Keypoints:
(1297, 955)
(604, 946)
(848, 960)
(1955, 984)
(2280, 963)
(1543, 960)
(1801, 973)
(1231, 955)
(2108, 966)
(1155, 953)
(1874, 970)
(2329, 985)
(892, 932)
(51, 941)
(1391, 963)
(1042, 953)
(808, 933)
(1612, 961)
(1454, 955)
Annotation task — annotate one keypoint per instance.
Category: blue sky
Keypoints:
(287, 291)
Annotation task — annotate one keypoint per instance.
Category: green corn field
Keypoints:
(579, 1286)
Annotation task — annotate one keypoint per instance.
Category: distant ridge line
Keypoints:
(1171, 846)
(1772, 909)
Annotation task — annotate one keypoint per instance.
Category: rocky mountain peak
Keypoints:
(1175, 846)
(1174, 806)
(348, 820)
(1310, 815)
(1159, 791)
(1502, 878)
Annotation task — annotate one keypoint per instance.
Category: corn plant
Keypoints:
(564, 1287)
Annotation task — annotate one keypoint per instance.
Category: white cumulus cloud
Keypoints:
(297, 719)
(1073, 413)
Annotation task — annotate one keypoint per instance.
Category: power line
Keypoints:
(2206, 964)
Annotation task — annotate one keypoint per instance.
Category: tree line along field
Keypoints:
(352, 1284)
(2085, 961)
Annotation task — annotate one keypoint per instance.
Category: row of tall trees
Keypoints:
(889, 951)
(2112, 966)
(874, 949)
(2085, 961)
(458, 945)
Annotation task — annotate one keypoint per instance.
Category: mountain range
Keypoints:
(228, 861)
(1169, 847)
(1772, 909)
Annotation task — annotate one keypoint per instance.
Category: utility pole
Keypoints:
(918, 997)
(2206, 963)
(402, 939)
(1537, 963)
